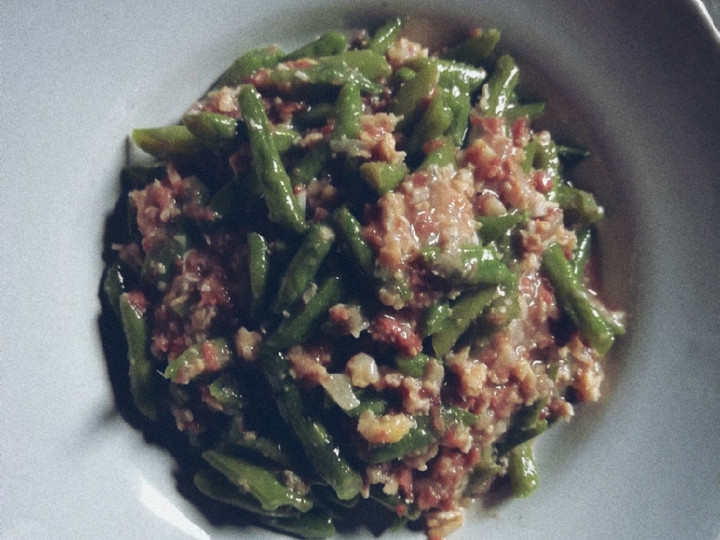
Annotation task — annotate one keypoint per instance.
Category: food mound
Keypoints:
(355, 275)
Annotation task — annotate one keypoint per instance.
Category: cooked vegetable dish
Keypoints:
(356, 275)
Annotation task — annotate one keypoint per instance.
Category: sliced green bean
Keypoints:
(433, 123)
(598, 330)
(142, 372)
(413, 366)
(311, 525)
(167, 141)
(211, 128)
(276, 187)
(434, 318)
(159, 265)
(383, 176)
(470, 265)
(301, 326)
(285, 137)
(411, 95)
(495, 228)
(347, 113)
(580, 207)
(193, 362)
(114, 286)
(328, 44)
(501, 86)
(465, 310)
(321, 450)
(349, 230)
(304, 265)
(442, 153)
(258, 481)
(418, 438)
(521, 470)
(247, 64)
(526, 424)
(476, 50)
(386, 35)
(258, 266)
(311, 164)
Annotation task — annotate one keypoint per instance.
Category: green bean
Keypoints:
(264, 447)
(304, 265)
(383, 176)
(310, 525)
(258, 481)
(159, 265)
(482, 473)
(386, 35)
(315, 115)
(441, 153)
(328, 44)
(599, 330)
(501, 86)
(411, 95)
(526, 424)
(433, 123)
(375, 403)
(418, 438)
(546, 159)
(495, 228)
(142, 384)
(276, 187)
(582, 251)
(258, 266)
(580, 207)
(413, 366)
(301, 326)
(476, 50)
(470, 265)
(248, 63)
(216, 486)
(347, 113)
(211, 128)
(465, 310)
(522, 471)
(285, 137)
(311, 164)
(322, 452)
(458, 416)
(349, 230)
(114, 286)
(225, 391)
(395, 503)
(193, 361)
(434, 318)
(530, 110)
(167, 141)
(458, 102)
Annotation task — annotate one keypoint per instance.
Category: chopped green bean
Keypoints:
(475, 50)
(328, 44)
(522, 471)
(211, 128)
(386, 35)
(247, 64)
(167, 141)
(383, 176)
(464, 311)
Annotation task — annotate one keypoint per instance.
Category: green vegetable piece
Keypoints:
(368, 63)
(304, 265)
(465, 310)
(141, 366)
(347, 113)
(456, 415)
(597, 328)
(349, 230)
(409, 99)
(373, 402)
(530, 110)
(386, 35)
(285, 137)
(476, 50)
(167, 141)
(396, 504)
(418, 438)
(114, 286)
(258, 481)
(315, 115)
(495, 228)
(216, 486)
(433, 123)
(413, 366)
(248, 63)
(472, 265)
(211, 128)
(383, 176)
(499, 91)
(328, 44)
(441, 153)
(323, 454)
(275, 184)
(298, 328)
(225, 391)
(258, 266)
(525, 425)
(311, 164)
(582, 252)
(159, 265)
(521, 470)
(435, 318)
(193, 361)
(580, 207)
(310, 525)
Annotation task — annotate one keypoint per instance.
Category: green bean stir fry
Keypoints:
(355, 275)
